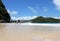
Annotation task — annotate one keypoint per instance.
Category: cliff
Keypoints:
(4, 15)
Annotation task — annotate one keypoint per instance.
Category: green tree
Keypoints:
(4, 15)
(41, 19)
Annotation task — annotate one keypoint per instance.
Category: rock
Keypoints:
(4, 15)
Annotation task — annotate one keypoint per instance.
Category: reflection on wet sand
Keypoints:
(17, 32)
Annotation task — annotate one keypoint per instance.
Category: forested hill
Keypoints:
(41, 19)
(4, 15)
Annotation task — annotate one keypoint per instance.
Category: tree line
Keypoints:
(41, 19)
(4, 15)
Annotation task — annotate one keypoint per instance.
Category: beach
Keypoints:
(29, 32)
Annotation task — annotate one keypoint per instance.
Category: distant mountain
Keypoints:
(4, 15)
(41, 19)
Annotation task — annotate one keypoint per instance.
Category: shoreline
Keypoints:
(40, 24)
(33, 24)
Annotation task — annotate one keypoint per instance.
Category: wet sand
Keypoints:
(20, 32)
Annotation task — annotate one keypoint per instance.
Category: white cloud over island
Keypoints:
(23, 18)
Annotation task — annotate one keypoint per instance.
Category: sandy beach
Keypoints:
(29, 32)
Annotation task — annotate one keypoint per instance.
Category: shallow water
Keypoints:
(18, 32)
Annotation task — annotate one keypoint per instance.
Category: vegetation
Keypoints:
(4, 15)
(41, 19)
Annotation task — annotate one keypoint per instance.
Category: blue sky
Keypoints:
(29, 9)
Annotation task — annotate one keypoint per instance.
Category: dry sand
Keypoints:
(29, 32)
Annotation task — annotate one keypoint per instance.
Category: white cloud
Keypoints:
(23, 18)
(12, 12)
(14, 18)
(32, 9)
(56, 17)
(45, 9)
(29, 17)
(57, 4)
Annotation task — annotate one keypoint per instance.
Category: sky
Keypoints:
(29, 9)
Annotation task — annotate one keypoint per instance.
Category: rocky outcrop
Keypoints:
(4, 15)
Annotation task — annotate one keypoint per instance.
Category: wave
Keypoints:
(40, 24)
